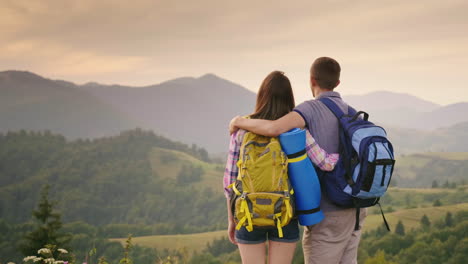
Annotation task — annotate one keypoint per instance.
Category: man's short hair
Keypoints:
(326, 71)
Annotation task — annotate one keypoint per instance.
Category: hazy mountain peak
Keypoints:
(179, 81)
(463, 126)
(399, 96)
(457, 105)
(92, 84)
(385, 100)
(18, 75)
(65, 83)
(212, 80)
(210, 76)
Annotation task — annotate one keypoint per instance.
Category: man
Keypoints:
(334, 240)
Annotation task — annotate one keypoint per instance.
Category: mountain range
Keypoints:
(31, 102)
(197, 111)
(193, 110)
(407, 111)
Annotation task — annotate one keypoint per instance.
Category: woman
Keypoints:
(274, 100)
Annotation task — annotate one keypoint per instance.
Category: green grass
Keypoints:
(397, 199)
(410, 165)
(411, 217)
(447, 155)
(197, 242)
(192, 242)
(168, 163)
(394, 190)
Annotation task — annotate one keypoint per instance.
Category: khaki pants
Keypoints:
(333, 241)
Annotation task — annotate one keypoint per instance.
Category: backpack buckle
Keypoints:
(243, 195)
(286, 194)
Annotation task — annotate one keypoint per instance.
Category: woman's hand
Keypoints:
(231, 224)
(231, 232)
(232, 125)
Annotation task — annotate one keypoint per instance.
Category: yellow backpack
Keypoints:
(262, 192)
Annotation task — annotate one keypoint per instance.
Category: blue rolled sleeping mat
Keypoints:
(303, 177)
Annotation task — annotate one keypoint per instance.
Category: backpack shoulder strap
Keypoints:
(332, 106)
(336, 110)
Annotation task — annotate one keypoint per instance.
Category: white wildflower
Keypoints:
(49, 260)
(26, 259)
(59, 262)
(44, 251)
(37, 259)
(63, 251)
(10, 263)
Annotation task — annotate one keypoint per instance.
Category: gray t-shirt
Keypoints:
(324, 127)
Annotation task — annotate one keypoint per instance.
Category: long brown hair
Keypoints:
(275, 97)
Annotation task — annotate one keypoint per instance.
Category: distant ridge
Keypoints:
(384, 100)
(408, 111)
(446, 139)
(195, 110)
(12, 74)
(192, 110)
(32, 102)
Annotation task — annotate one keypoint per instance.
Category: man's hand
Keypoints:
(232, 125)
(231, 232)
(269, 128)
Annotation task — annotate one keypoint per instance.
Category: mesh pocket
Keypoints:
(264, 208)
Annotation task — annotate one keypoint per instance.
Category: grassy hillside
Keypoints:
(448, 155)
(446, 139)
(410, 218)
(420, 170)
(408, 198)
(192, 242)
(169, 164)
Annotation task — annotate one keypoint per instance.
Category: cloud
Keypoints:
(55, 59)
(149, 41)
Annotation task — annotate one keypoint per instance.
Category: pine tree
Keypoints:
(446, 184)
(381, 230)
(435, 184)
(449, 219)
(379, 258)
(47, 229)
(425, 223)
(437, 203)
(400, 228)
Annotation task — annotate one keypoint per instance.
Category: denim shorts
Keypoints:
(262, 234)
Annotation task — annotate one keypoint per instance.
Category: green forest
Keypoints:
(143, 184)
(441, 241)
(106, 188)
(108, 181)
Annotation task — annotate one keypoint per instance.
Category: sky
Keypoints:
(418, 47)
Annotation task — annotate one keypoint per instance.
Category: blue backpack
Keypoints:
(364, 169)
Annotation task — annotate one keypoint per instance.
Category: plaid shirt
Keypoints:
(316, 154)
